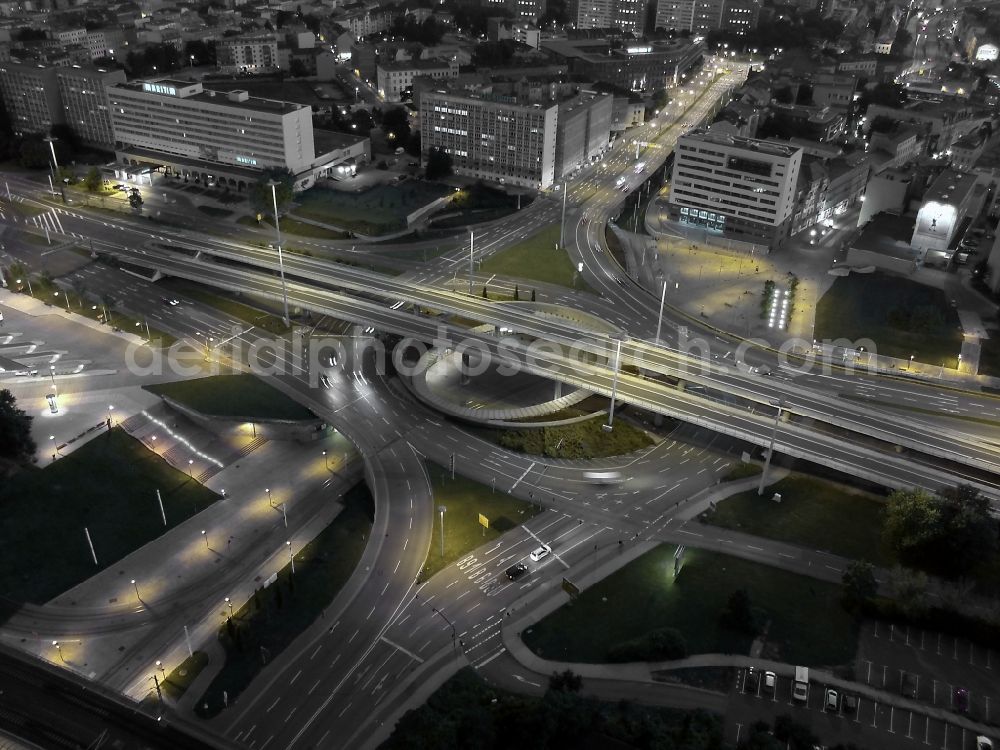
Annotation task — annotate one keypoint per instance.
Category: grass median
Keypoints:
(537, 257)
(294, 227)
(578, 440)
(267, 624)
(233, 396)
(806, 623)
(107, 486)
(813, 513)
(465, 500)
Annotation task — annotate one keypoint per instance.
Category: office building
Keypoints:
(30, 95)
(83, 92)
(218, 136)
(491, 137)
(703, 16)
(583, 130)
(742, 187)
(639, 66)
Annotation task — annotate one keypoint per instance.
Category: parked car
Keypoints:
(516, 570)
(832, 701)
(850, 703)
(770, 682)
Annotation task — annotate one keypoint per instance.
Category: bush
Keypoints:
(658, 645)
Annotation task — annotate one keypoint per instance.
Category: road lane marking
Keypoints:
(404, 650)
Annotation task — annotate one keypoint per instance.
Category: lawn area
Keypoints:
(233, 396)
(223, 303)
(536, 258)
(295, 227)
(989, 356)
(215, 211)
(902, 317)
(812, 512)
(477, 204)
(175, 684)
(466, 712)
(465, 499)
(379, 210)
(807, 624)
(277, 615)
(108, 486)
(577, 440)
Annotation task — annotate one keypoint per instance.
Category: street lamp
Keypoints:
(230, 606)
(614, 387)
(56, 295)
(27, 279)
(268, 491)
(204, 535)
(770, 451)
(159, 666)
(190, 469)
(111, 408)
(326, 461)
(59, 649)
(291, 557)
(441, 510)
(136, 587)
(281, 263)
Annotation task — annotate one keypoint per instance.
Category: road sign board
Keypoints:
(484, 521)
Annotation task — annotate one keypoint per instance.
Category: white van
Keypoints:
(800, 688)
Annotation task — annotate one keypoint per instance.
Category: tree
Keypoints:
(912, 521)
(909, 590)
(438, 164)
(261, 199)
(297, 68)
(16, 443)
(738, 614)
(969, 531)
(859, 585)
(396, 126)
(93, 180)
(567, 681)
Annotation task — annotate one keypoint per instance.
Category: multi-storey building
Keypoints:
(31, 96)
(492, 137)
(626, 15)
(583, 129)
(108, 41)
(248, 54)
(703, 16)
(743, 187)
(86, 107)
(186, 130)
(640, 66)
(396, 77)
(70, 36)
(360, 21)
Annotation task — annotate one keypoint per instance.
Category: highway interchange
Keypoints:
(385, 631)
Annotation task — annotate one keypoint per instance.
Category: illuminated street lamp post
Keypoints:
(614, 388)
(281, 263)
(441, 510)
(291, 557)
(770, 451)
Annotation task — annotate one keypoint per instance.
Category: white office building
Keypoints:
(247, 54)
(744, 188)
(179, 128)
(492, 137)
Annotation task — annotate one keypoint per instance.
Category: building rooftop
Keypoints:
(432, 64)
(888, 235)
(773, 148)
(237, 98)
(326, 141)
(951, 187)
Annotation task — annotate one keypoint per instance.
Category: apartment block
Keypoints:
(31, 97)
(247, 54)
(396, 77)
(583, 129)
(492, 137)
(86, 107)
(703, 16)
(742, 187)
(626, 15)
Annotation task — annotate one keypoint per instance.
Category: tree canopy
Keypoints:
(260, 196)
(16, 443)
(438, 164)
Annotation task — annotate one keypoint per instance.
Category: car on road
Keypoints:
(770, 682)
(832, 700)
(516, 570)
(960, 700)
(540, 553)
(171, 302)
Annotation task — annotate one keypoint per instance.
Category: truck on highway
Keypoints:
(800, 688)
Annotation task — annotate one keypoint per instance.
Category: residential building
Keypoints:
(247, 54)
(940, 123)
(626, 15)
(900, 145)
(108, 42)
(583, 129)
(360, 21)
(30, 95)
(965, 152)
(627, 113)
(742, 187)
(947, 208)
(887, 192)
(70, 36)
(491, 136)
(834, 90)
(217, 136)
(396, 77)
(83, 92)
(703, 16)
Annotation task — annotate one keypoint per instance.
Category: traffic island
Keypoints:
(475, 515)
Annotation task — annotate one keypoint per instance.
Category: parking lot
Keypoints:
(873, 725)
(939, 664)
